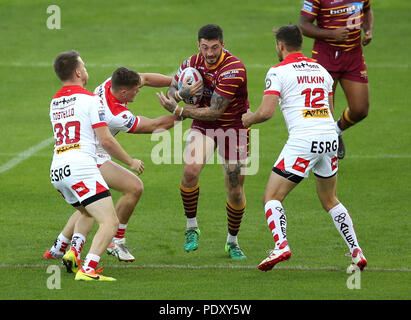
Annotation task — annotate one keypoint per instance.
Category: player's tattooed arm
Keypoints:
(217, 107)
(171, 92)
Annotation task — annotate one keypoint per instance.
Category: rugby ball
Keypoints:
(192, 75)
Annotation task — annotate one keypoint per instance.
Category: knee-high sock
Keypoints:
(343, 223)
(277, 221)
(234, 217)
(190, 200)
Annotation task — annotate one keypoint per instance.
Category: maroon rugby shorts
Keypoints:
(349, 65)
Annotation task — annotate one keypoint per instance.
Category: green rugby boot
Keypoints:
(234, 250)
(191, 243)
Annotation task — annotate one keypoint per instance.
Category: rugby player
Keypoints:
(217, 123)
(78, 120)
(337, 47)
(116, 92)
(304, 90)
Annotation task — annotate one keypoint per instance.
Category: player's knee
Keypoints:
(110, 224)
(360, 113)
(190, 176)
(136, 189)
(236, 196)
(272, 196)
(329, 203)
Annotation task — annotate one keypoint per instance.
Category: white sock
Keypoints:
(231, 238)
(192, 223)
(91, 262)
(337, 128)
(277, 222)
(343, 223)
(77, 241)
(60, 245)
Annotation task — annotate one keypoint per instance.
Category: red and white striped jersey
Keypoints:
(304, 87)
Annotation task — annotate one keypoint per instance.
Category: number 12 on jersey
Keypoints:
(313, 97)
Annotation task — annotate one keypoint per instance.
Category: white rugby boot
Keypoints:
(283, 253)
(358, 260)
(119, 249)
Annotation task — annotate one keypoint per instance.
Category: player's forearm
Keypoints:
(115, 150)
(156, 80)
(368, 20)
(312, 31)
(205, 114)
(164, 122)
(217, 107)
(261, 115)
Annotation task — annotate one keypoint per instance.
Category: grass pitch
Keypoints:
(151, 36)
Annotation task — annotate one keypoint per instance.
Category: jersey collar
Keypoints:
(215, 66)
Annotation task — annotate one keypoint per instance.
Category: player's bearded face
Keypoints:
(211, 50)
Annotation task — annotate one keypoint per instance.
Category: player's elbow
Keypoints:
(304, 24)
(107, 143)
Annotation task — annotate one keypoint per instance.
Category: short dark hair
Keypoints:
(210, 32)
(65, 64)
(124, 77)
(290, 35)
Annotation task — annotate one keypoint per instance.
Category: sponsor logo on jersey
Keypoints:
(350, 9)
(316, 113)
(131, 122)
(304, 66)
(63, 101)
(67, 148)
(267, 83)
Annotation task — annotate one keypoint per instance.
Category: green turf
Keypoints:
(156, 36)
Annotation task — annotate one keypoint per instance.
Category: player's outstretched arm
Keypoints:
(156, 80)
(111, 145)
(264, 112)
(148, 125)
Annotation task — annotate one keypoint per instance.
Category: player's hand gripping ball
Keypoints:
(191, 76)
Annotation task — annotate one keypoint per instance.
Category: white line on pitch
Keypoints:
(25, 154)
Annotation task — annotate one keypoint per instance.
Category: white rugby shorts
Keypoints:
(300, 155)
(102, 157)
(80, 183)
